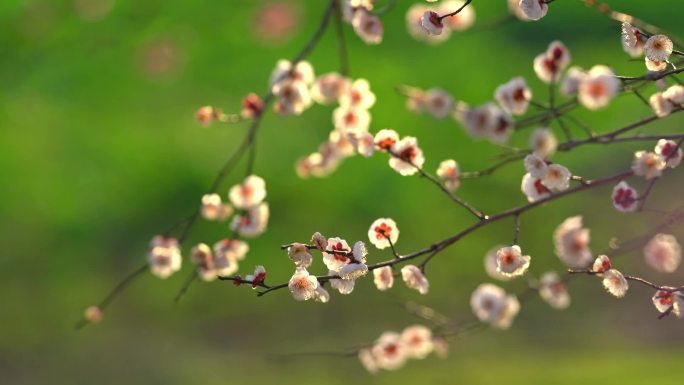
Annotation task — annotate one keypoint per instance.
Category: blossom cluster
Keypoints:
(391, 350)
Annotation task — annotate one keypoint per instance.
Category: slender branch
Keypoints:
(456, 12)
(341, 43)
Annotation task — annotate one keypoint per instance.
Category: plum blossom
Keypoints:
(363, 143)
(414, 279)
(389, 351)
(382, 229)
(460, 21)
(448, 170)
(321, 295)
(343, 286)
(206, 114)
(356, 267)
(625, 197)
(536, 166)
(368, 360)
(202, 256)
(557, 177)
(253, 223)
(553, 290)
(227, 253)
(534, 9)
(571, 242)
(164, 256)
(349, 118)
(250, 193)
(654, 65)
(318, 240)
(328, 87)
(300, 255)
(407, 157)
(293, 97)
(367, 26)
(492, 305)
(252, 106)
(572, 80)
(632, 40)
(658, 48)
(543, 142)
(302, 72)
(490, 264)
(383, 278)
(385, 139)
(358, 94)
(302, 285)
(258, 277)
(213, 209)
(93, 314)
(598, 87)
(488, 121)
(414, 25)
(336, 255)
(664, 300)
(533, 188)
(431, 23)
(666, 149)
(648, 164)
(550, 64)
(438, 103)
(663, 253)
(661, 106)
(601, 264)
(615, 283)
(510, 262)
(418, 341)
(514, 8)
(514, 96)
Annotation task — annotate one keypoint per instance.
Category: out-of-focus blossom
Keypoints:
(571, 242)
(663, 253)
(414, 279)
(164, 256)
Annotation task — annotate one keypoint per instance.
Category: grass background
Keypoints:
(99, 151)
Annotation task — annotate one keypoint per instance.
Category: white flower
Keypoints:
(415, 279)
(658, 48)
(514, 97)
(353, 271)
(206, 114)
(300, 255)
(382, 229)
(164, 256)
(536, 166)
(249, 194)
(663, 253)
(632, 40)
(502, 126)
(615, 283)
(431, 23)
(368, 360)
(571, 243)
(551, 63)
(598, 87)
(303, 72)
(253, 223)
(514, 8)
(648, 164)
(572, 80)
(661, 106)
(666, 299)
(258, 277)
(318, 240)
(293, 97)
(543, 142)
(553, 290)
(490, 264)
(448, 170)
(202, 256)
(385, 139)
(675, 94)
(460, 21)
(343, 286)
(557, 177)
(407, 157)
(338, 259)
(383, 278)
(328, 88)
(510, 261)
(93, 314)
(601, 265)
(363, 143)
(414, 25)
(655, 66)
(302, 285)
(358, 95)
(227, 253)
(367, 26)
(488, 121)
(665, 148)
(389, 351)
(491, 305)
(418, 341)
(213, 209)
(625, 197)
(438, 103)
(321, 295)
(534, 9)
(348, 118)
(533, 188)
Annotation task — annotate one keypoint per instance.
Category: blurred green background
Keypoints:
(99, 151)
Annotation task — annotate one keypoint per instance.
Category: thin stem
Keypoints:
(456, 12)
(341, 43)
